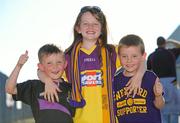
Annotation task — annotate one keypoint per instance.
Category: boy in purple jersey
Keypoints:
(52, 62)
(145, 106)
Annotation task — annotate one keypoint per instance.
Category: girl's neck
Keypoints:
(88, 44)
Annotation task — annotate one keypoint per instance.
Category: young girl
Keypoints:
(91, 66)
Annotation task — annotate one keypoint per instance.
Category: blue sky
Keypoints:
(29, 24)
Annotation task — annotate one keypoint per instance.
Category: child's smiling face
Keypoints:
(53, 65)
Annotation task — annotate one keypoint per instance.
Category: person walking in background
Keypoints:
(145, 106)
(91, 67)
(52, 62)
(163, 62)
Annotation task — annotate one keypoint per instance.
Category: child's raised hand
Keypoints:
(158, 88)
(22, 59)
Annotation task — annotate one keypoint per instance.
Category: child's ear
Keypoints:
(40, 67)
(77, 29)
(144, 56)
(65, 64)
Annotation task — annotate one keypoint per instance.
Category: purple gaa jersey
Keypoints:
(139, 109)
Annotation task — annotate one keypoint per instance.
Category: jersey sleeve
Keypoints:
(24, 92)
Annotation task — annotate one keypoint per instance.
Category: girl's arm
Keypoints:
(11, 82)
(134, 84)
(51, 88)
(158, 90)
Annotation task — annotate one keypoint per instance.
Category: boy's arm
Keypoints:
(158, 90)
(11, 82)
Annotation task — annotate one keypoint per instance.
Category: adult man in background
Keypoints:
(163, 62)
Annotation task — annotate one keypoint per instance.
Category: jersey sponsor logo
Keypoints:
(91, 78)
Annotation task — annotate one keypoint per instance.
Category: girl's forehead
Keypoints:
(88, 16)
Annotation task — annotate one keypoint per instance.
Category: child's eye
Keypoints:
(135, 56)
(123, 56)
(49, 63)
(95, 24)
(85, 24)
(59, 62)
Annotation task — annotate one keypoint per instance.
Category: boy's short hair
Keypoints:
(161, 41)
(132, 40)
(49, 49)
